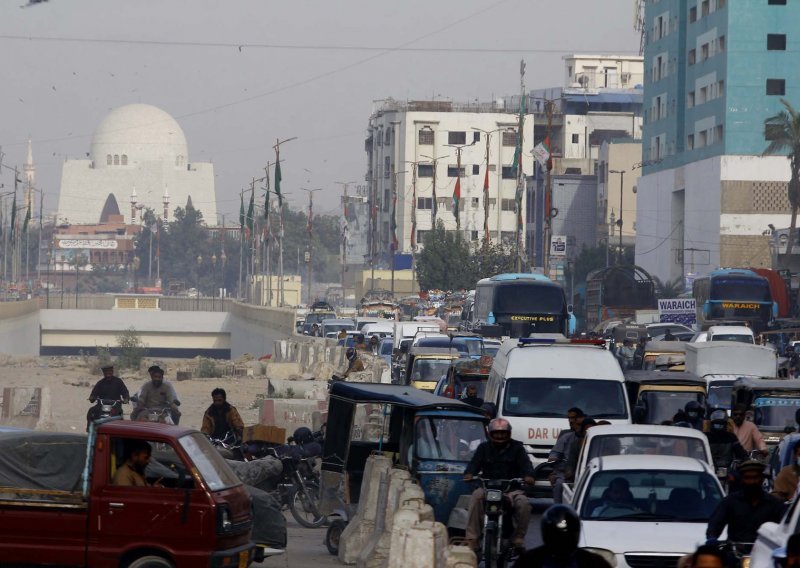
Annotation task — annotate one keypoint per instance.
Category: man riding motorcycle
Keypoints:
(110, 387)
(499, 458)
(155, 395)
(561, 531)
(725, 446)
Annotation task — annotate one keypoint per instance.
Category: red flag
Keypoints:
(456, 196)
(486, 179)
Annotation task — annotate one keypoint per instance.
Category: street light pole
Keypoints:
(197, 281)
(459, 148)
(310, 228)
(619, 220)
(345, 185)
(277, 148)
(214, 277)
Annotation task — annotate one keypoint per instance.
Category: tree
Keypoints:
(444, 263)
(668, 289)
(490, 259)
(783, 132)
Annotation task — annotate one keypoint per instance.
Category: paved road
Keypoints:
(307, 548)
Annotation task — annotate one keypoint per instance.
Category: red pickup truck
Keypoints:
(59, 504)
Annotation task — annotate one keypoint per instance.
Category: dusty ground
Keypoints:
(69, 381)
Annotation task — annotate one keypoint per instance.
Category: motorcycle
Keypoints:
(498, 524)
(104, 408)
(160, 415)
(298, 489)
(229, 446)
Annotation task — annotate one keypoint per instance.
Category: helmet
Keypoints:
(350, 353)
(719, 420)
(561, 530)
(499, 425)
(302, 436)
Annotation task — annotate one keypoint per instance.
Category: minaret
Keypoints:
(134, 199)
(166, 204)
(30, 177)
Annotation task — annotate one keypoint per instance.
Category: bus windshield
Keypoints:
(528, 299)
(775, 413)
(740, 289)
(550, 398)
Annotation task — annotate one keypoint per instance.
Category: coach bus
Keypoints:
(734, 294)
(516, 305)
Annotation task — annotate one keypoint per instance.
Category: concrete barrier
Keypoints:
(290, 413)
(421, 545)
(376, 552)
(358, 531)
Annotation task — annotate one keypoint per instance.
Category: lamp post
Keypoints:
(77, 272)
(197, 280)
(223, 258)
(214, 277)
(47, 290)
(136, 262)
(611, 224)
(277, 148)
(619, 220)
(488, 135)
(310, 237)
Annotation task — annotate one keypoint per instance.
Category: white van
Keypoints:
(534, 381)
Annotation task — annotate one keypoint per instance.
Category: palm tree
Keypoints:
(783, 132)
(669, 288)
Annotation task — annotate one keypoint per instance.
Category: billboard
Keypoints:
(678, 310)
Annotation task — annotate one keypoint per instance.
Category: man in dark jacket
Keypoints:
(743, 512)
(110, 387)
(499, 458)
(725, 446)
(221, 417)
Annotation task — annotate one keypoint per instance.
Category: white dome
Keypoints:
(138, 133)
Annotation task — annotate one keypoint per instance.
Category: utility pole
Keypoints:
(278, 180)
(435, 162)
(520, 175)
(394, 221)
(457, 192)
(549, 106)
(345, 227)
(310, 227)
(488, 135)
(619, 219)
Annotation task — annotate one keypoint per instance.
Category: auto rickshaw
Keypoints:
(432, 436)
(426, 365)
(773, 402)
(656, 396)
(464, 373)
(660, 355)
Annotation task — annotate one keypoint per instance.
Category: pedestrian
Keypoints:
(221, 417)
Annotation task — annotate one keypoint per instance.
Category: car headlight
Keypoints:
(494, 495)
(607, 555)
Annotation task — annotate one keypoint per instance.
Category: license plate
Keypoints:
(244, 558)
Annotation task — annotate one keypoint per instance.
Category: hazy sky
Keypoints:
(289, 78)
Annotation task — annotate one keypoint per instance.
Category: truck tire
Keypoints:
(151, 562)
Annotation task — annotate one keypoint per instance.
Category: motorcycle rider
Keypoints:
(725, 446)
(155, 395)
(110, 387)
(221, 417)
(471, 396)
(747, 432)
(354, 362)
(499, 458)
(561, 450)
(694, 414)
(561, 531)
(743, 512)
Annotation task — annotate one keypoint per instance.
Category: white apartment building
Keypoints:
(420, 137)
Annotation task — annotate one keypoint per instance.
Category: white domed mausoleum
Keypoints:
(138, 160)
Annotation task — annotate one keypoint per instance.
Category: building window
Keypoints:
(476, 169)
(576, 138)
(473, 235)
(453, 171)
(508, 205)
(776, 42)
(108, 159)
(703, 95)
(776, 87)
(692, 14)
(721, 88)
(476, 136)
(718, 133)
(475, 202)
(424, 203)
(425, 170)
(703, 138)
(124, 159)
(421, 236)
(777, 2)
(690, 59)
(690, 99)
(388, 139)
(721, 4)
(704, 8)
(720, 44)
(387, 166)
(116, 159)
(704, 52)
(426, 136)
(509, 172)
(690, 142)
(456, 137)
(509, 137)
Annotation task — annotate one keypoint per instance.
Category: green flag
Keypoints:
(27, 220)
(241, 212)
(278, 184)
(13, 216)
(250, 211)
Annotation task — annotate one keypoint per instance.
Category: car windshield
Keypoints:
(329, 327)
(646, 445)
(732, 337)
(491, 349)
(775, 413)
(429, 369)
(719, 396)
(212, 467)
(528, 299)
(650, 495)
(548, 397)
(447, 438)
(663, 405)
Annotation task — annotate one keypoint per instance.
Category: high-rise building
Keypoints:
(715, 70)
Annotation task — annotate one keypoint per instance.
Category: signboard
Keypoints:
(678, 310)
(87, 244)
(558, 245)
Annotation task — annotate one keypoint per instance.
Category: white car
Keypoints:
(645, 511)
(738, 333)
(774, 536)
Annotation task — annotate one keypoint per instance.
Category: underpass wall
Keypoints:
(19, 328)
(254, 329)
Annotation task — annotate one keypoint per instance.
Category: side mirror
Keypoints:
(569, 308)
(639, 413)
